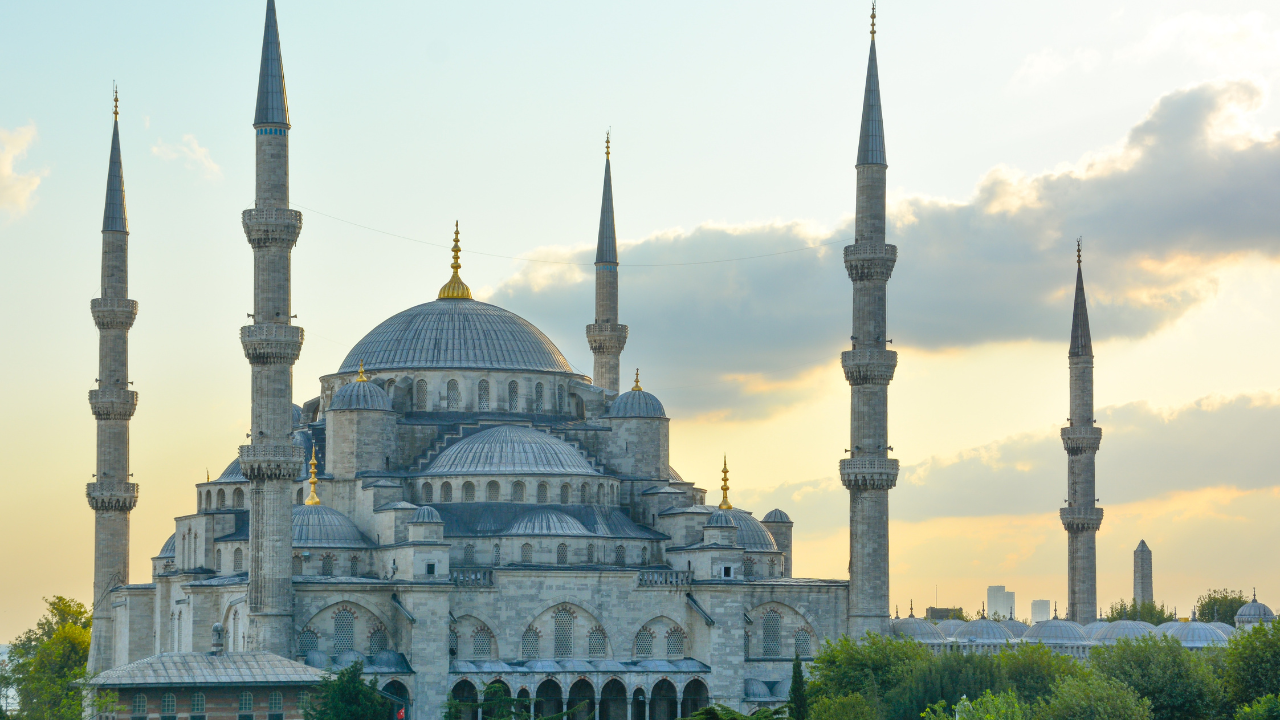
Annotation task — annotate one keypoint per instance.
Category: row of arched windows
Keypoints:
(484, 397)
(585, 494)
(169, 703)
(237, 560)
(207, 503)
(329, 565)
(645, 644)
(562, 554)
(771, 638)
(749, 567)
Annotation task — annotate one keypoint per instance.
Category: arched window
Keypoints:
(529, 643)
(526, 554)
(644, 556)
(468, 492)
(469, 554)
(600, 494)
(620, 555)
(452, 395)
(772, 567)
(565, 492)
(390, 388)
(197, 702)
(222, 499)
(237, 562)
(644, 642)
(173, 632)
(420, 395)
(804, 642)
(517, 491)
(427, 494)
(298, 498)
(746, 644)
(168, 703)
(326, 565)
(139, 704)
(513, 396)
(584, 494)
(772, 639)
(208, 499)
(297, 564)
(542, 493)
(235, 629)
(596, 642)
(537, 398)
(308, 640)
(217, 560)
(482, 644)
(275, 701)
(497, 554)
(237, 498)
(613, 495)
(564, 633)
(560, 399)
(344, 631)
(179, 631)
(491, 491)
(482, 396)
(246, 702)
(591, 554)
(748, 567)
(562, 554)
(377, 641)
(446, 492)
(354, 566)
(675, 643)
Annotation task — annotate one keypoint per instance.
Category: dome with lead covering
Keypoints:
(1195, 634)
(319, 526)
(720, 518)
(547, 522)
(425, 514)
(1224, 628)
(1122, 629)
(917, 629)
(456, 334)
(636, 403)
(360, 395)
(948, 627)
(777, 516)
(1055, 632)
(751, 534)
(1253, 612)
(511, 450)
(983, 630)
(170, 548)
(1094, 628)
(1015, 627)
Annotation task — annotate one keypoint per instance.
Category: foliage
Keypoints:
(1092, 696)
(1264, 708)
(875, 666)
(47, 662)
(948, 677)
(1252, 667)
(720, 712)
(849, 707)
(798, 704)
(345, 697)
(1032, 669)
(1146, 612)
(1220, 605)
(499, 705)
(1179, 683)
(988, 706)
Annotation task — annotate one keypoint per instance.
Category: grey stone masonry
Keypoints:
(1081, 438)
(605, 336)
(271, 344)
(1142, 592)
(868, 472)
(112, 496)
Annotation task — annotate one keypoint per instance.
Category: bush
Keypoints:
(1179, 684)
(1004, 706)
(849, 707)
(1092, 696)
(947, 678)
(1146, 612)
(345, 697)
(870, 669)
(1032, 669)
(1252, 668)
(1264, 708)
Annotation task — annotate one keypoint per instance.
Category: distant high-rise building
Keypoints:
(1039, 610)
(1142, 574)
(1000, 602)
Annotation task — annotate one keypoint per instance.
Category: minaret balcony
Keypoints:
(869, 367)
(869, 473)
(870, 261)
(271, 227)
(271, 344)
(1080, 439)
(112, 496)
(1079, 519)
(113, 313)
(113, 404)
(607, 338)
(271, 462)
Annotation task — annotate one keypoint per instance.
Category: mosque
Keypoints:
(460, 511)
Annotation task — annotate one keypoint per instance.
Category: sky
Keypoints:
(1149, 129)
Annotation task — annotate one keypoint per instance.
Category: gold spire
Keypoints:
(1078, 241)
(455, 289)
(362, 377)
(116, 92)
(313, 499)
(873, 21)
(207, 478)
(637, 385)
(724, 486)
(606, 144)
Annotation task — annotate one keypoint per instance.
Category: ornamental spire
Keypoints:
(607, 240)
(724, 486)
(455, 289)
(362, 377)
(273, 104)
(114, 216)
(871, 137)
(313, 499)
(637, 385)
(1081, 344)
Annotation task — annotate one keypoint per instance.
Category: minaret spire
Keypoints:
(112, 495)
(605, 336)
(273, 102)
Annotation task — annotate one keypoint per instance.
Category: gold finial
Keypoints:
(606, 144)
(313, 498)
(455, 289)
(116, 92)
(1078, 241)
(724, 486)
(637, 385)
(207, 477)
(873, 21)
(362, 377)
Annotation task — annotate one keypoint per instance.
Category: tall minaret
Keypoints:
(271, 344)
(1081, 438)
(605, 336)
(869, 473)
(112, 496)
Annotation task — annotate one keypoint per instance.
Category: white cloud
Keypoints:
(1227, 44)
(16, 188)
(1041, 67)
(193, 155)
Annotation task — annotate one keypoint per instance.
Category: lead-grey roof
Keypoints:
(636, 403)
(360, 396)
(982, 630)
(1195, 634)
(607, 241)
(752, 536)
(170, 547)
(273, 103)
(457, 334)
(1224, 628)
(1094, 628)
(1122, 629)
(777, 516)
(871, 137)
(498, 519)
(1055, 632)
(1254, 611)
(320, 526)
(189, 669)
(1081, 344)
(949, 627)
(546, 522)
(425, 514)
(511, 450)
(917, 629)
(720, 518)
(1015, 627)
(114, 216)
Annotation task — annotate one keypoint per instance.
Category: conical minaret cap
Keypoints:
(114, 216)
(1081, 344)
(871, 137)
(607, 244)
(273, 104)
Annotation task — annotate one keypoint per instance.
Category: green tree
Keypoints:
(947, 677)
(1252, 667)
(1092, 696)
(1146, 612)
(345, 697)
(1032, 669)
(1179, 683)
(874, 666)
(1264, 708)
(1220, 605)
(849, 707)
(799, 701)
(988, 706)
(47, 662)
(720, 712)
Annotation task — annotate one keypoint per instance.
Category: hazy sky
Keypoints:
(1011, 128)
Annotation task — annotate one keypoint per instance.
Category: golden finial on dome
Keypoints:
(313, 498)
(873, 21)
(1079, 240)
(362, 377)
(116, 92)
(724, 486)
(606, 144)
(637, 385)
(455, 289)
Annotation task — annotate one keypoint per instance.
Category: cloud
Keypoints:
(1233, 44)
(193, 155)
(16, 189)
(1047, 64)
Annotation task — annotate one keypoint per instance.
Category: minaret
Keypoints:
(270, 461)
(869, 473)
(112, 496)
(1142, 592)
(1081, 438)
(605, 336)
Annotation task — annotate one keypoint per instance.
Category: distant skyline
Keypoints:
(1148, 128)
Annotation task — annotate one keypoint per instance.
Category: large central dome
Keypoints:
(456, 334)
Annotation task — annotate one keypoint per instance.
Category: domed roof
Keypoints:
(1167, 625)
(1254, 612)
(1094, 628)
(1055, 632)
(752, 535)
(170, 548)
(317, 659)
(1015, 627)
(777, 516)
(720, 518)
(917, 629)
(348, 658)
(1224, 628)
(425, 514)
(360, 395)
(319, 526)
(232, 473)
(456, 334)
(1122, 629)
(983, 630)
(636, 403)
(1195, 634)
(511, 450)
(545, 521)
(948, 627)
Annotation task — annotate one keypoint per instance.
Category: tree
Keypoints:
(1264, 708)
(1252, 667)
(1092, 696)
(1179, 683)
(1220, 605)
(947, 677)
(720, 712)
(849, 707)
(345, 697)
(47, 662)
(988, 706)
(799, 702)
(1146, 612)
(1032, 669)
(874, 666)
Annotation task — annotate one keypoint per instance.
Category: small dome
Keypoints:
(232, 473)
(1224, 628)
(751, 534)
(1015, 627)
(387, 659)
(1167, 626)
(317, 659)
(1122, 629)
(425, 514)
(720, 518)
(320, 526)
(983, 630)
(170, 548)
(360, 396)
(1094, 628)
(349, 658)
(948, 628)
(1252, 612)
(776, 516)
(545, 521)
(638, 404)
(917, 629)
(511, 450)
(1055, 632)
(1195, 634)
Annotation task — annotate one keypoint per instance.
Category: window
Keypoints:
(297, 564)
(584, 494)
(565, 492)
(526, 554)
(529, 643)
(482, 393)
(237, 562)
(222, 499)
(726, 571)
(420, 395)
(431, 568)
(427, 495)
(354, 566)
(517, 491)
(564, 633)
(453, 641)
(377, 641)
(804, 642)
(139, 704)
(235, 626)
(562, 554)
(344, 622)
(537, 398)
(304, 697)
(217, 560)
(644, 642)
(197, 702)
(560, 399)
(749, 567)
(179, 631)
(772, 633)
(168, 703)
(308, 641)
(326, 565)
(491, 491)
(453, 396)
(675, 643)
(208, 499)
(237, 498)
(298, 498)
(275, 701)
(600, 494)
(469, 554)
(246, 702)
(468, 492)
(446, 492)
(173, 632)
(771, 567)
(746, 644)
(620, 555)
(482, 644)
(596, 642)
(591, 554)
(542, 493)
(497, 554)
(513, 396)
(644, 556)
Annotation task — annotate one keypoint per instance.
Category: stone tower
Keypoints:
(1081, 517)
(605, 336)
(270, 461)
(869, 473)
(1142, 592)
(112, 496)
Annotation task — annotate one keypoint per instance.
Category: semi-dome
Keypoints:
(752, 536)
(320, 526)
(547, 522)
(425, 514)
(1122, 629)
(637, 404)
(511, 450)
(1055, 632)
(777, 516)
(170, 547)
(917, 629)
(456, 334)
(1195, 634)
(1015, 627)
(948, 628)
(983, 630)
(360, 395)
